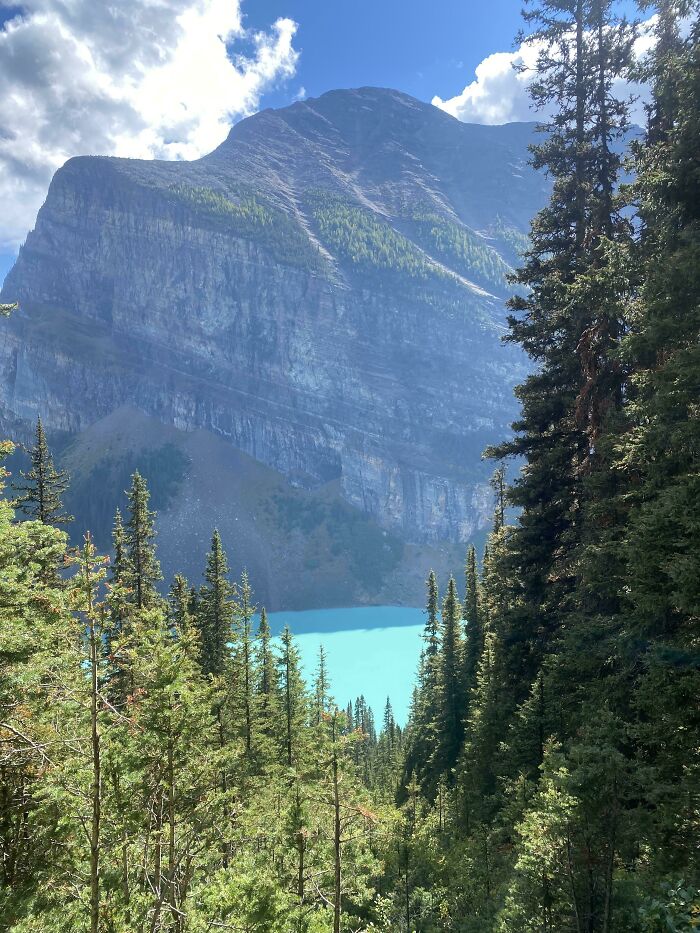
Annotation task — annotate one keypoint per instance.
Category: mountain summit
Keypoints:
(322, 295)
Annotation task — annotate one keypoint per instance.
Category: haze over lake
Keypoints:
(372, 650)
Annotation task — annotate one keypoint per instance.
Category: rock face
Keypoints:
(325, 292)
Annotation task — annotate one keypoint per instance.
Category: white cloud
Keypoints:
(139, 78)
(499, 93)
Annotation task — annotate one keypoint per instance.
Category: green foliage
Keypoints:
(676, 910)
(360, 238)
(141, 573)
(40, 493)
(513, 243)
(461, 250)
(244, 215)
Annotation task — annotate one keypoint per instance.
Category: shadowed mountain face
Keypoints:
(324, 292)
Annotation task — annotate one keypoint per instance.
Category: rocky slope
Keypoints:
(324, 292)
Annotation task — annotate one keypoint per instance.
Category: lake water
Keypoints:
(371, 650)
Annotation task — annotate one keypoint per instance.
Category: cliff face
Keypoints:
(325, 292)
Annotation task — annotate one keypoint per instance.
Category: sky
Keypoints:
(167, 78)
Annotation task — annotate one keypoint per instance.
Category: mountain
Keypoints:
(321, 298)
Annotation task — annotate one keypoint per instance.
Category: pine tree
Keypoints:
(321, 694)
(425, 708)
(449, 685)
(267, 691)
(179, 605)
(39, 496)
(118, 571)
(431, 635)
(265, 660)
(562, 320)
(118, 601)
(473, 628)
(215, 610)
(293, 700)
(142, 570)
(243, 665)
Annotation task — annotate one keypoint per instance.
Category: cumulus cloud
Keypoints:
(138, 78)
(499, 91)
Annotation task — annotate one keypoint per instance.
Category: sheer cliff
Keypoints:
(324, 292)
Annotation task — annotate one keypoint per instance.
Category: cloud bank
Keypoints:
(138, 78)
(499, 91)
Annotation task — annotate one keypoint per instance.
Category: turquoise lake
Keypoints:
(371, 650)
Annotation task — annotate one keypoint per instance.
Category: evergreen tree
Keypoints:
(215, 610)
(179, 606)
(118, 601)
(560, 320)
(449, 686)
(265, 659)
(473, 628)
(293, 700)
(267, 693)
(431, 635)
(142, 570)
(321, 689)
(243, 672)
(39, 496)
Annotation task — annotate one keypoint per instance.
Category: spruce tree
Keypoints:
(266, 688)
(243, 665)
(293, 700)
(473, 629)
(119, 600)
(321, 690)
(179, 605)
(39, 496)
(431, 635)
(425, 706)
(449, 686)
(265, 660)
(142, 570)
(215, 610)
(554, 321)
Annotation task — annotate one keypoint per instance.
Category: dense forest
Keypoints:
(165, 767)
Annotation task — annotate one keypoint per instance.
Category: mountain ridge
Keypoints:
(325, 292)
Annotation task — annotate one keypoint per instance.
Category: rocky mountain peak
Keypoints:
(324, 293)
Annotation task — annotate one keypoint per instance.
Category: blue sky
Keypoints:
(421, 48)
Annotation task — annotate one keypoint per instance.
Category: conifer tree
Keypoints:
(293, 700)
(321, 695)
(179, 605)
(473, 629)
(142, 570)
(450, 680)
(265, 660)
(431, 635)
(560, 321)
(243, 664)
(267, 693)
(118, 601)
(215, 610)
(39, 495)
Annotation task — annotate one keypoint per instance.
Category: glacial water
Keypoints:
(371, 650)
